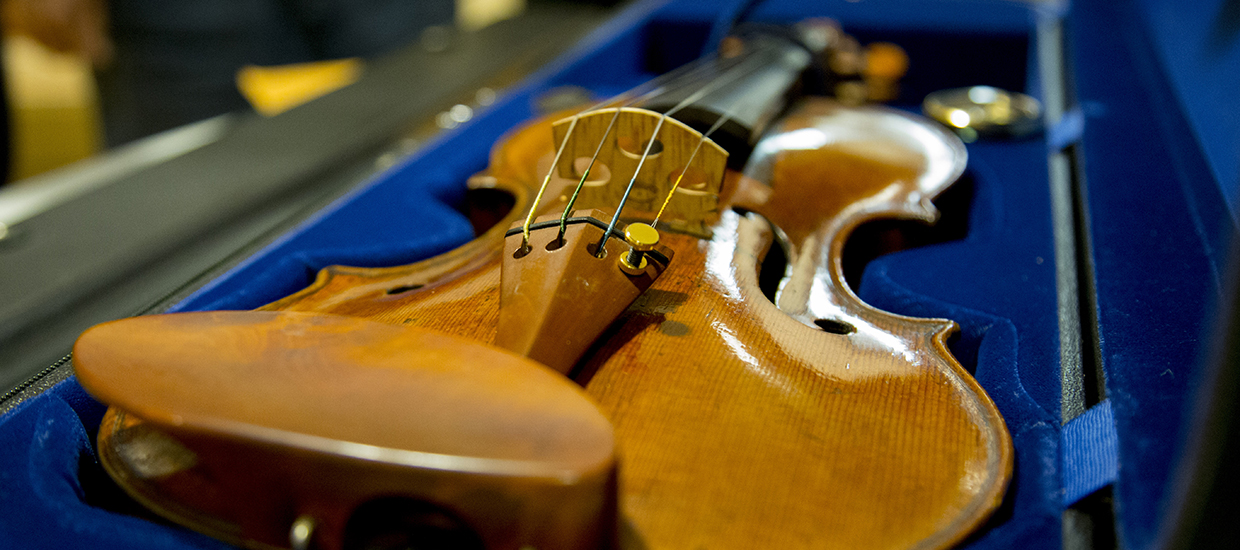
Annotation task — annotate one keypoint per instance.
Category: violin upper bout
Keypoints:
(843, 426)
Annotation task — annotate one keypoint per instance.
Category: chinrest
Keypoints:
(277, 428)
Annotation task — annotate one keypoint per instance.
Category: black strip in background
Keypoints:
(1093, 376)
(133, 243)
(1089, 523)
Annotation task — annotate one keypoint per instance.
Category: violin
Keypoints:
(654, 347)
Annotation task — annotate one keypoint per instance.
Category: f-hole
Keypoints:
(774, 266)
(402, 289)
(835, 327)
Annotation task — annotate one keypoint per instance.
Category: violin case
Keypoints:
(1087, 264)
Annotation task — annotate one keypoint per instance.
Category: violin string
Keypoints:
(611, 226)
(585, 175)
(529, 218)
(726, 116)
(696, 66)
(632, 97)
(688, 101)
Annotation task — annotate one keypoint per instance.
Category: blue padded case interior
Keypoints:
(1146, 190)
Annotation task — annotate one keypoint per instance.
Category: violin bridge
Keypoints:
(557, 296)
(671, 163)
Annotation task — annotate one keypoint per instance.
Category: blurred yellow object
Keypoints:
(885, 65)
(886, 61)
(273, 90)
(54, 113)
(472, 15)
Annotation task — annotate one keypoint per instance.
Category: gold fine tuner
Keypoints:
(642, 238)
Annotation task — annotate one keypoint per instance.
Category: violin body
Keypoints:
(745, 415)
(741, 422)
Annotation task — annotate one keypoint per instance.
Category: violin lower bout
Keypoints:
(738, 426)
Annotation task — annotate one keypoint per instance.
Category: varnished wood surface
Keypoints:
(741, 424)
(557, 295)
(252, 419)
(683, 160)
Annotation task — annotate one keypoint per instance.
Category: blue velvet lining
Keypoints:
(53, 492)
(417, 221)
(1196, 44)
(1160, 228)
(998, 282)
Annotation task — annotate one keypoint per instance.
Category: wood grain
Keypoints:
(819, 422)
(742, 424)
(237, 423)
(558, 296)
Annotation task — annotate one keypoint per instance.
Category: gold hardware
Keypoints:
(642, 238)
(984, 111)
(299, 535)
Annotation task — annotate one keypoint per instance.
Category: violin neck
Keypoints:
(749, 87)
